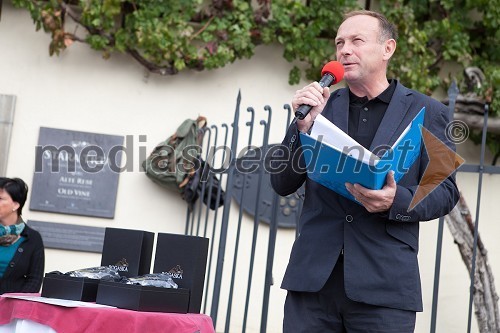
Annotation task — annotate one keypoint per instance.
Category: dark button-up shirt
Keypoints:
(365, 115)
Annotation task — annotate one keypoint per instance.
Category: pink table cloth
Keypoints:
(102, 320)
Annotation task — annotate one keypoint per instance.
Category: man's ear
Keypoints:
(389, 48)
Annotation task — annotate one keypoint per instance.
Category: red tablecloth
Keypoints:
(102, 320)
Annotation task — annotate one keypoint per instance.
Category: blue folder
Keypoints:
(333, 166)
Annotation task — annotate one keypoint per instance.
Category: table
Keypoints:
(25, 326)
(16, 313)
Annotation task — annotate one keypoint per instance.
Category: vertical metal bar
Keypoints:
(211, 183)
(214, 227)
(225, 215)
(476, 223)
(199, 211)
(269, 281)
(192, 209)
(207, 207)
(273, 229)
(289, 116)
(437, 270)
(202, 192)
(452, 97)
(238, 230)
(188, 215)
(193, 214)
(256, 217)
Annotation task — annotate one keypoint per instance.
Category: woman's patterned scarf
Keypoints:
(10, 233)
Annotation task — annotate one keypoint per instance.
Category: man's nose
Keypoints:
(346, 49)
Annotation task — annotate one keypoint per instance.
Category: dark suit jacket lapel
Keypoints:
(389, 129)
(391, 124)
(339, 114)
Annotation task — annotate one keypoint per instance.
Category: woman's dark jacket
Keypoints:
(24, 274)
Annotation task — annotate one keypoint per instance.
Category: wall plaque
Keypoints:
(69, 236)
(246, 190)
(76, 172)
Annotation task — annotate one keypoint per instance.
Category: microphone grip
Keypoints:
(304, 109)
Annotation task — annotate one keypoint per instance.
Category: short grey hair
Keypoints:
(387, 29)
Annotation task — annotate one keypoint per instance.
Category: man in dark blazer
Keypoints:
(353, 266)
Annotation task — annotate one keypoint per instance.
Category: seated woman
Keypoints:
(22, 255)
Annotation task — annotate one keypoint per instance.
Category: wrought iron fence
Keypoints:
(245, 181)
(480, 169)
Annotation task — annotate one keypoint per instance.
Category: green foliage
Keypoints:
(306, 31)
(168, 36)
(448, 31)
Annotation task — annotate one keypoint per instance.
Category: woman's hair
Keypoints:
(17, 189)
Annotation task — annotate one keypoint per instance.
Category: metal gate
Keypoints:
(245, 180)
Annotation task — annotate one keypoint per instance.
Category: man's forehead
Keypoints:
(358, 25)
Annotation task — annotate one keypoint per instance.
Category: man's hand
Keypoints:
(314, 95)
(375, 201)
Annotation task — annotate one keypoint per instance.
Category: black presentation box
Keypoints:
(143, 298)
(68, 287)
(128, 251)
(184, 258)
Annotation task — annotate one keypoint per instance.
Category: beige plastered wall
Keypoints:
(81, 91)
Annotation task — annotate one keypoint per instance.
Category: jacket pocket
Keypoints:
(406, 232)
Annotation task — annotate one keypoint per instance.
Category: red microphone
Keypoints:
(332, 73)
